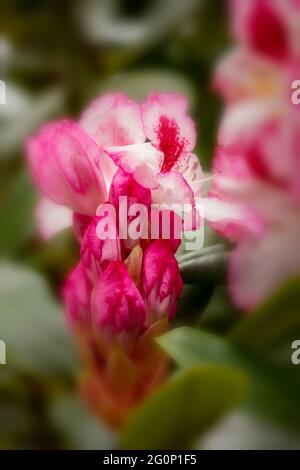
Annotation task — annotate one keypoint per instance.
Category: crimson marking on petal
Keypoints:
(268, 32)
(170, 143)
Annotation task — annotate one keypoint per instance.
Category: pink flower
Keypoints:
(257, 161)
(269, 27)
(260, 265)
(124, 291)
(74, 165)
(258, 174)
(167, 161)
(65, 163)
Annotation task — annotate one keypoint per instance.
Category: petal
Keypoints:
(257, 268)
(80, 224)
(161, 281)
(243, 120)
(108, 168)
(241, 75)
(126, 194)
(124, 184)
(65, 166)
(164, 225)
(76, 293)
(231, 220)
(173, 189)
(52, 218)
(140, 160)
(175, 194)
(114, 119)
(96, 254)
(261, 26)
(167, 124)
(117, 304)
(190, 168)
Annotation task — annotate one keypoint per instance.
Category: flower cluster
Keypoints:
(124, 291)
(257, 162)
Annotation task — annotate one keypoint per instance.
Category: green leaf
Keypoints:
(183, 408)
(220, 314)
(274, 325)
(209, 265)
(32, 325)
(274, 393)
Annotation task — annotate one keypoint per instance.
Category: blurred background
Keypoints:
(54, 58)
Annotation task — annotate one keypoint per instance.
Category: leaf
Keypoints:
(32, 325)
(274, 325)
(183, 408)
(220, 314)
(208, 264)
(274, 393)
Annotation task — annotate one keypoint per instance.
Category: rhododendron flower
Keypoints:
(124, 291)
(256, 166)
(264, 193)
(269, 27)
(165, 164)
(74, 164)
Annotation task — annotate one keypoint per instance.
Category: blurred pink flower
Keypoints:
(256, 166)
(268, 27)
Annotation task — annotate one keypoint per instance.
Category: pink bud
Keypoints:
(76, 293)
(117, 304)
(80, 225)
(65, 163)
(161, 281)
